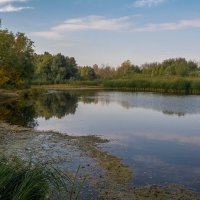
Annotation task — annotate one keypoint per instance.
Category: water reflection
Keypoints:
(55, 105)
(158, 136)
(18, 112)
(109, 113)
(59, 104)
(25, 112)
(168, 104)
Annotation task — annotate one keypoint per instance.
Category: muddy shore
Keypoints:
(106, 175)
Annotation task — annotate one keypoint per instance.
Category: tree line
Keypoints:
(20, 66)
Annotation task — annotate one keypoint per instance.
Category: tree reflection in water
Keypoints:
(24, 112)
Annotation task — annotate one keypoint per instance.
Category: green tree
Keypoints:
(126, 68)
(43, 67)
(171, 67)
(16, 59)
(86, 73)
(54, 68)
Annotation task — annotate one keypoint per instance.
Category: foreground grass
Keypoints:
(27, 182)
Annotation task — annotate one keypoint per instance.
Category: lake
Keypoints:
(156, 135)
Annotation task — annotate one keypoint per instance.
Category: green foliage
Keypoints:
(171, 67)
(103, 72)
(54, 68)
(86, 73)
(19, 65)
(85, 83)
(21, 181)
(126, 68)
(176, 85)
(172, 75)
(16, 59)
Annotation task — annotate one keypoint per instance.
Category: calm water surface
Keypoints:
(158, 136)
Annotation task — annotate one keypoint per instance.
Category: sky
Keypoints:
(108, 32)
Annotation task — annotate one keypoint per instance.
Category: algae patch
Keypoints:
(112, 165)
(107, 176)
(174, 192)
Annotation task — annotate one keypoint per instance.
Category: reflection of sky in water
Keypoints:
(161, 148)
(170, 104)
(115, 121)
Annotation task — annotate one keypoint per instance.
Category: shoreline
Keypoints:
(66, 87)
(8, 95)
(105, 173)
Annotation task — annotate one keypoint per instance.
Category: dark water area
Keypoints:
(157, 136)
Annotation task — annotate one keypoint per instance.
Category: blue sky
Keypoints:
(108, 31)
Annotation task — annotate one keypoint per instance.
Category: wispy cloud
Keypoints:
(147, 3)
(47, 34)
(10, 8)
(125, 24)
(183, 24)
(6, 6)
(11, 1)
(88, 23)
(94, 23)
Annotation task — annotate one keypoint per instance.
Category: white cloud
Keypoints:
(147, 3)
(88, 23)
(46, 34)
(183, 24)
(6, 6)
(126, 24)
(10, 8)
(11, 1)
(94, 23)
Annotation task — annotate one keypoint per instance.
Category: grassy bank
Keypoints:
(171, 85)
(22, 181)
(74, 84)
(175, 85)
